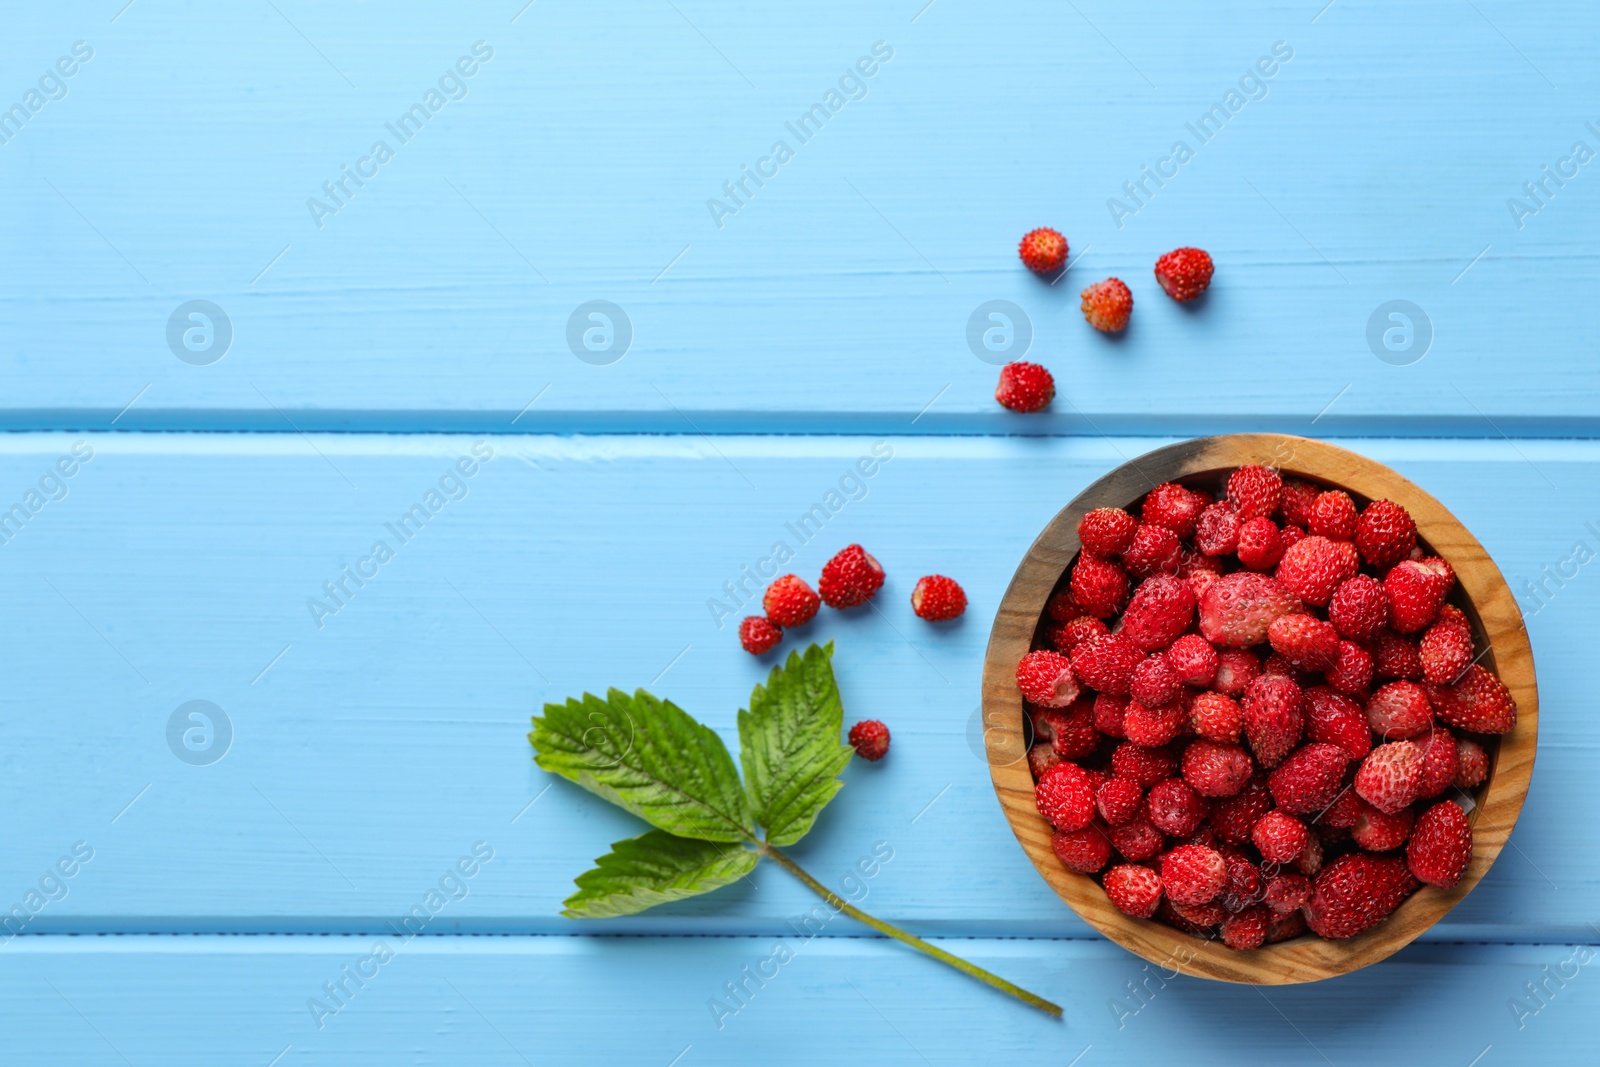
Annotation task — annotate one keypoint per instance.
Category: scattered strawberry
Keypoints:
(1043, 251)
(1106, 532)
(1161, 609)
(1255, 491)
(1309, 780)
(1184, 273)
(1155, 550)
(870, 739)
(851, 578)
(1416, 590)
(1279, 837)
(789, 601)
(1134, 890)
(1359, 608)
(1025, 387)
(1472, 763)
(1305, 641)
(1106, 305)
(1099, 586)
(1273, 718)
(1354, 893)
(1082, 851)
(1261, 544)
(758, 636)
(1238, 608)
(1390, 776)
(937, 598)
(1046, 679)
(1065, 796)
(1314, 567)
(1385, 534)
(1332, 515)
(1173, 506)
(1441, 846)
(1478, 703)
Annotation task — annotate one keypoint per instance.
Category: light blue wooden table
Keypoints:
(365, 332)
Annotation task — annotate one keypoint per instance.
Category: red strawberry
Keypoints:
(1153, 725)
(1185, 273)
(1236, 669)
(1193, 874)
(1070, 730)
(1025, 387)
(1155, 550)
(1390, 776)
(1305, 641)
(1194, 918)
(1359, 607)
(1106, 664)
(1082, 851)
(1216, 531)
(1233, 817)
(1041, 757)
(1237, 609)
(1445, 649)
(758, 636)
(1354, 893)
(1106, 305)
(1332, 515)
(1243, 888)
(1286, 892)
(1216, 717)
(1154, 681)
(1137, 840)
(1314, 567)
(1173, 506)
(1134, 890)
(1065, 796)
(851, 578)
(1146, 766)
(1193, 660)
(1385, 533)
(937, 598)
(1395, 656)
(870, 739)
(1441, 846)
(1062, 606)
(1255, 491)
(1273, 718)
(1106, 531)
(1352, 669)
(1416, 590)
(1343, 811)
(1216, 769)
(1174, 808)
(789, 601)
(1279, 837)
(1472, 763)
(1046, 679)
(1332, 718)
(1043, 251)
(1161, 609)
(1069, 635)
(1246, 930)
(1310, 861)
(1119, 800)
(1298, 496)
(1478, 703)
(1099, 586)
(1378, 831)
(1308, 781)
(1399, 710)
(1109, 711)
(1261, 545)
(1439, 761)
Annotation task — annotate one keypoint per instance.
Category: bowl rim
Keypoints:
(1488, 602)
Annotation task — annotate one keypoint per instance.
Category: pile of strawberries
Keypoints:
(1252, 709)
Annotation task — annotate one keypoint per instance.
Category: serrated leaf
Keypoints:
(655, 868)
(650, 757)
(789, 744)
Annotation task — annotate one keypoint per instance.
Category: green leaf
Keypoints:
(650, 757)
(789, 744)
(655, 868)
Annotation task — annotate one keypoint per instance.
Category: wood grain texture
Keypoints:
(1482, 592)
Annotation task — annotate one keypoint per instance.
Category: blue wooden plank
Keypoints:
(579, 162)
(368, 754)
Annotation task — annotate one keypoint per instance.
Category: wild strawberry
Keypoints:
(1378, 831)
(1216, 717)
(1298, 496)
(1106, 664)
(1134, 890)
(1385, 533)
(1109, 711)
(1106, 305)
(1043, 251)
(1062, 606)
(1082, 851)
(1313, 568)
(758, 636)
(851, 578)
(1216, 769)
(1185, 273)
(1041, 757)
(1154, 681)
(1243, 887)
(1246, 930)
(1478, 703)
(1155, 550)
(1071, 730)
(1305, 641)
(1236, 669)
(1069, 635)
(1332, 718)
(1441, 846)
(1106, 532)
(1173, 506)
(1146, 766)
(937, 598)
(1137, 840)
(1153, 725)
(1359, 607)
(1310, 861)
(1260, 545)
(1255, 491)
(1273, 718)
(1285, 892)
(1195, 918)
(1119, 800)
(1199, 579)
(1395, 656)
(1025, 387)
(1216, 531)
(1193, 874)
(1399, 710)
(1288, 925)
(1233, 817)
(870, 739)
(1354, 893)
(1332, 515)
(1237, 609)
(1445, 651)
(1279, 837)
(1390, 776)
(1472, 763)
(1161, 609)
(1174, 808)
(1416, 590)
(1309, 780)
(789, 601)
(1065, 796)
(1099, 586)
(1290, 536)
(1046, 679)
(1352, 669)
(1343, 811)
(1193, 660)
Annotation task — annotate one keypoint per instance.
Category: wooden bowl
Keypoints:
(1481, 592)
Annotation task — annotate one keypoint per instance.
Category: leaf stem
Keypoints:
(900, 935)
